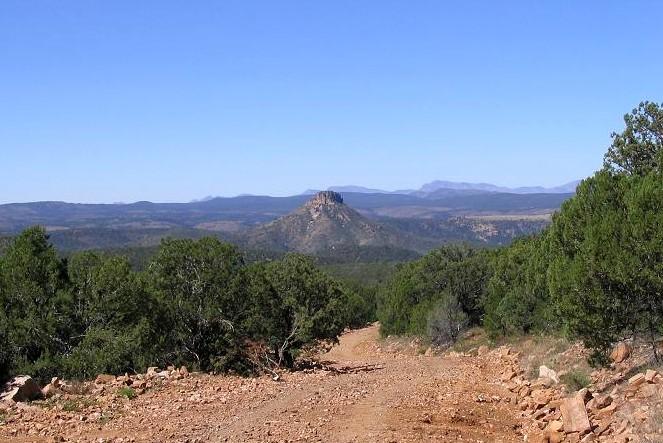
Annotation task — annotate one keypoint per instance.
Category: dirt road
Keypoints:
(406, 398)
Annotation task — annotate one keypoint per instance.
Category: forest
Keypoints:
(197, 303)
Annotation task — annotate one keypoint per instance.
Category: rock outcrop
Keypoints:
(21, 388)
(621, 352)
(324, 198)
(611, 409)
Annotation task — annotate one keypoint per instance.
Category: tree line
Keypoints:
(197, 303)
(596, 273)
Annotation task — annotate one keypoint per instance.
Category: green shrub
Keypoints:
(109, 351)
(407, 300)
(6, 349)
(607, 270)
(71, 406)
(34, 302)
(127, 392)
(360, 305)
(77, 404)
(575, 380)
(199, 284)
(310, 306)
(197, 304)
(518, 299)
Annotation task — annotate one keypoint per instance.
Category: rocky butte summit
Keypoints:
(320, 225)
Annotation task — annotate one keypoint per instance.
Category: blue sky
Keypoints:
(104, 101)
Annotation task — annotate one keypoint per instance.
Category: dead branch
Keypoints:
(330, 367)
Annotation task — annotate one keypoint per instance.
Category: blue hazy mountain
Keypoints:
(440, 188)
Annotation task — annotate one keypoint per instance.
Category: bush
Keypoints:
(416, 289)
(518, 298)
(607, 270)
(109, 351)
(6, 349)
(360, 304)
(116, 314)
(199, 285)
(34, 301)
(599, 268)
(446, 321)
(126, 392)
(575, 380)
(197, 304)
(311, 306)
(77, 405)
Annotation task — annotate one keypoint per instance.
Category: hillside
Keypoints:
(321, 225)
(327, 226)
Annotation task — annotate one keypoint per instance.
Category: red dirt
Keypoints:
(411, 398)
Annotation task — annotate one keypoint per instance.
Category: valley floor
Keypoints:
(402, 397)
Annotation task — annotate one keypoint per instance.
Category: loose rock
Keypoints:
(621, 352)
(546, 372)
(574, 415)
(20, 389)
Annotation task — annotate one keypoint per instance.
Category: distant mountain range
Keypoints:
(487, 187)
(239, 213)
(378, 224)
(435, 187)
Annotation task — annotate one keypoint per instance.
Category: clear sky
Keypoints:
(105, 101)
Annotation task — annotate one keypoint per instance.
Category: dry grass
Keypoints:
(569, 359)
(644, 361)
(78, 388)
(410, 345)
(650, 429)
(106, 417)
(77, 404)
(49, 403)
(471, 340)
(575, 380)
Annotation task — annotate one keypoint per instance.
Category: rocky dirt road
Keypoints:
(391, 397)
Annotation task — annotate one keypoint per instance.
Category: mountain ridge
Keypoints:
(437, 185)
(238, 213)
(488, 187)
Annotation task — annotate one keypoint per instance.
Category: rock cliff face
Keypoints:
(320, 225)
(325, 198)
